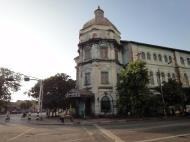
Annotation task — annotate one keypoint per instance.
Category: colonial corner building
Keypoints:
(102, 54)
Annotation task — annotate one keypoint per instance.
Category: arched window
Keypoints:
(188, 61)
(169, 76)
(166, 58)
(148, 56)
(155, 56)
(186, 80)
(173, 76)
(160, 57)
(151, 77)
(170, 59)
(105, 104)
(158, 77)
(182, 60)
(143, 55)
(163, 76)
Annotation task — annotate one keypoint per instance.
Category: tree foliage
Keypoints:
(173, 94)
(9, 82)
(25, 105)
(187, 95)
(54, 90)
(132, 87)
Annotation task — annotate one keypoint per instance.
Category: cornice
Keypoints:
(98, 41)
(99, 60)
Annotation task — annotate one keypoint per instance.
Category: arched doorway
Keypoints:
(105, 104)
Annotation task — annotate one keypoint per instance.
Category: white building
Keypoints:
(102, 54)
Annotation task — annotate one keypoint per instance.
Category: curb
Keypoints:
(77, 123)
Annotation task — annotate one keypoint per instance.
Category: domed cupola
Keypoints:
(99, 27)
(99, 13)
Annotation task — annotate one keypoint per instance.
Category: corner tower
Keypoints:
(98, 63)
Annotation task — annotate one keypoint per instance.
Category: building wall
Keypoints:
(128, 52)
(164, 66)
(99, 33)
(183, 68)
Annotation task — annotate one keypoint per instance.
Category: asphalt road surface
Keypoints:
(133, 131)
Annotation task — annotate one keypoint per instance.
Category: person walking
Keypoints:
(62, 116)
(29, 115)
(69, 115)
(7, 118)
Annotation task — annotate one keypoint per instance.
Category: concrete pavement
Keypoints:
(92, 130)
(99, 121)
(16, 118)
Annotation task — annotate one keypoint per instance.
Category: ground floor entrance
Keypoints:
(81, 101)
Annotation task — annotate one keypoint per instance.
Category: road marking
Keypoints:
(20, 134)
(88, 132)
(160, 126)
(109, 134)
(162, 138)
(50, 133)
(153, 127)
(74, 140)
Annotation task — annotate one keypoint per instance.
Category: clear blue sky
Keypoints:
(40, 37)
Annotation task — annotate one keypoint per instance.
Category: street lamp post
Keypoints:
(40, 101)
(161, 91)
(40, 98)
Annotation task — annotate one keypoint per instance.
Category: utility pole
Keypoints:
(161, 91)
(40, 99)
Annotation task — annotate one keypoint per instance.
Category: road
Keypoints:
(18, 130)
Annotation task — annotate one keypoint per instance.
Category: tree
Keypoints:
(26, 105)
(9, 82)
(132, 87)
(186, 91)
(54, 91)
(173, 94)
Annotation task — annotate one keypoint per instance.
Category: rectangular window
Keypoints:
(155, 57)
(104, 52)
(170, 59)
(160, 57)
(158, 78)
(87, 53)
(182, 60)
(188, 61)
(104, 77)
(143, 55)
(148, 56)
(116, 55)
(151, 78)
(87, 79)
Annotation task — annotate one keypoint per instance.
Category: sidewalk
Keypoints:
(103, 121)
(56, 121)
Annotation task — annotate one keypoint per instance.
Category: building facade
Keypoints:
(102, 54)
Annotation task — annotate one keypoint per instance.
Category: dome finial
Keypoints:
(99, 12)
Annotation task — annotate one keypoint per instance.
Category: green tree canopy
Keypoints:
(9, 82)
(173, 93)
(132, 86)
(54, 90)
(25, 105)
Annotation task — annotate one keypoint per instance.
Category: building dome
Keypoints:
(99, 20)
(99, 28)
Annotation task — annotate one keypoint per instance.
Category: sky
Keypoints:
(40, 37)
